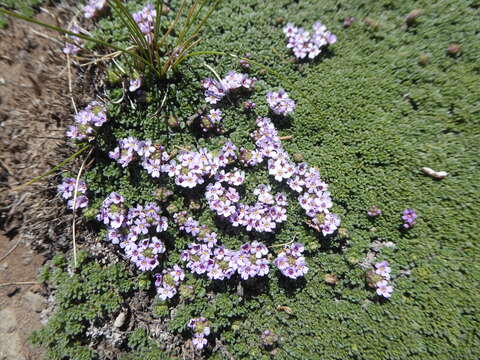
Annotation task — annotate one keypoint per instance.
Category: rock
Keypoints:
(10, 344)
(454, 49)
(411, 18)
(12, 291)
(9, 321)
(331, 279)
(34, 301)
(120, 320)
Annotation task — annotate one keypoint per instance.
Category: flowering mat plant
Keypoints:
(220, 174)
(136, 229)
(271, 204)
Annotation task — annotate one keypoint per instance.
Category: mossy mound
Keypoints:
(369, 116)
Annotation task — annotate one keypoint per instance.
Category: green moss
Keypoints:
(91, 294)
(372, 119)
(25, 7)
(143, 348)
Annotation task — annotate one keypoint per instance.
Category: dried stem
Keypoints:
(75, 208)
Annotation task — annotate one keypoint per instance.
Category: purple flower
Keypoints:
(215, 116)
(249, 105)
(88, 121)
(67, 190)
(75, 44)
(215, 91)
(145, 20)
(280, 103)
(374, 211)
(291, 262)
(201, 329)
(166, 292)
(199, 342)
(93, 7)
(383, 289)
(80, 202)
(135, 84)
(305, 44)
(382, 269)
(409, 216)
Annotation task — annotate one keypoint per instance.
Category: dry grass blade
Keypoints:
(75, 208)
(11, 250)
(19, 283)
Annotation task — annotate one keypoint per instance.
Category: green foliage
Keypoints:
(91, 295)
(143, 347)
(25, 7)
(374, 117)
(155, 58)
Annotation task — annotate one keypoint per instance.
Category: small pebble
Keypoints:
(120, 320)
(454, 49)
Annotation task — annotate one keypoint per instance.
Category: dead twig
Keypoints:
(12, 249)
(435, 174)
(75, 208)
(19, 283)
(5, 166)
(46, 36)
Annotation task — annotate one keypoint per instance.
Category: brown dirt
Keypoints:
(35, 108)
(23, 302)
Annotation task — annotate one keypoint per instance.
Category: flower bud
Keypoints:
(454, 49)
(173, 122)
(373, 278)
(298, 157)
(374, 25)
(347, 22)
(412, 17)
(331, 279)
(186, 291)
(343, 233)
(172, 208)
(162, 194)
(269, 339)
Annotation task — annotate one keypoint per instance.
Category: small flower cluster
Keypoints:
(374, 211)
(250, 157)
(145, 20)
(218, 262)
(87, 122)
(75, 44)
(135, 84)
(201, 329)
(216, 90)
(269, 339)
(314, 197)
(67, 190)
(212, 120)
(168, 282)
(280, 103)
(190, 167)
(134, 230)
(249, 105)
(245, 62)
(94, 7)
(263, 216)
(304, 44)
(291, 262)
(409, 216)
(152, 157)
(383, 288)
